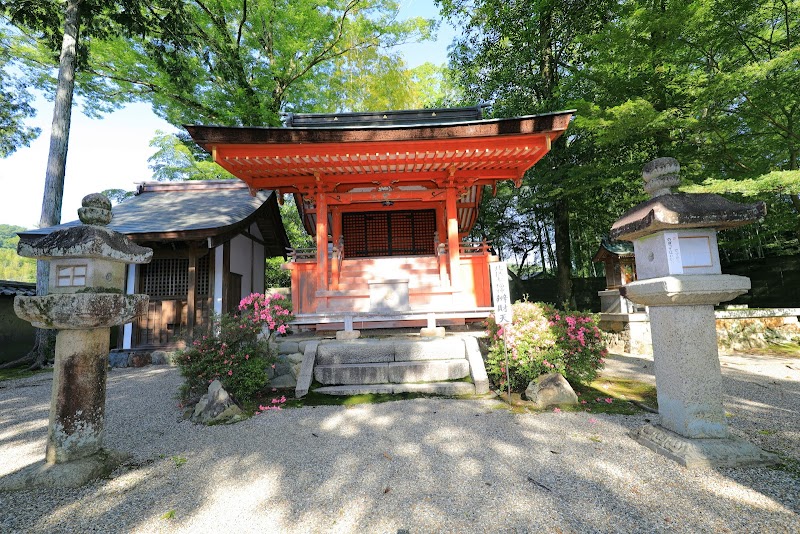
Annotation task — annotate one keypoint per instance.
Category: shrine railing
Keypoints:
(473, 248)
(302, 254)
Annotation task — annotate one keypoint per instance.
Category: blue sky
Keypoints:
(112, 152)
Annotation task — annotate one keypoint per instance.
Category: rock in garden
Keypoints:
(216, 406)
(118, 359)
(283, 381)
(550, 389)
(159, 357)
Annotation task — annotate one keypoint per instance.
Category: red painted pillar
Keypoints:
(452, 237)
(322, 241)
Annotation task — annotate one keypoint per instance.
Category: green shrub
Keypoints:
(234, 349)
(274, 273)
(542, 340)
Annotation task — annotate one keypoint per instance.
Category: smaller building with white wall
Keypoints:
(210, 240)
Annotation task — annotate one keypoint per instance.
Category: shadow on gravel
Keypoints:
(417, 465)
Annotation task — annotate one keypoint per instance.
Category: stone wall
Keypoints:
(737, 330)
(740, 332)
(283, 374)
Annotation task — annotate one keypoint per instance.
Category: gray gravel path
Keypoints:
(422, 465)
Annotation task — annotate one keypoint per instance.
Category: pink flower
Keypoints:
(230, 373)
(592, 420)
(609, 400)
(557, 410)
(583, 402)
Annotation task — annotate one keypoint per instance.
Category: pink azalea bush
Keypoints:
(271, 311)
(542, 340)
(234, 350)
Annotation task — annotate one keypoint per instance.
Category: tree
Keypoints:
(45, 19)
(14, 101)
(56, 159)
(705, 81)
(235, 62)
(510, 55)
(13, 267)
(710, 83)
(180, 158)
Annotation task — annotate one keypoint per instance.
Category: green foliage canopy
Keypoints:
(243, 63)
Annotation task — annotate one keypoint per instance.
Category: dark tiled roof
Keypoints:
(181, 210)
(413, 117)
(13, 288)
(620, 248)
(610, 250)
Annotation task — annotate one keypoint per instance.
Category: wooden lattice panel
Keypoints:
(203, 280)
(389, 233)
(166, 278)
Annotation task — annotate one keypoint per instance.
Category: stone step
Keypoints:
(355, 351)
(431, 388)
(352, 373)
(389, 350)
(448, 348)
(392, 372)
(428, 371)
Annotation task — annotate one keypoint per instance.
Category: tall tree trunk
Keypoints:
(56, 163)
(563, 263)
(550, 254)
(541, 244)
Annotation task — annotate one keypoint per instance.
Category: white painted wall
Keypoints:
(242, 262)
(130, 288)
(247, 259)
(259, 257)
(218, 280)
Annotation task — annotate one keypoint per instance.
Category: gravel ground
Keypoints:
(425, 465)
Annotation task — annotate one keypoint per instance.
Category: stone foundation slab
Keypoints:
(72, 474)
(706, 452)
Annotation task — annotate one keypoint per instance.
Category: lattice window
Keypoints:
(71, 276)
(202, 276)
(166, 278)
(389, 233)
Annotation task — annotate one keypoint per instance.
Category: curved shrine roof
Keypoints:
(289, 158)
(369, 161)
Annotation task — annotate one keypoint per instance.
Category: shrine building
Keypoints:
(390, 199)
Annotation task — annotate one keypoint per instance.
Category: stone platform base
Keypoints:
(449, 389)
(709, 452)
(64, 475)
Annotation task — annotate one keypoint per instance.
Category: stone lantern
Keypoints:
(86, 298)
(679, 278)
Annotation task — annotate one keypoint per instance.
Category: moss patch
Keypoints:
(319, 399)
(791, 350)
(604, 395)
(20, 372)
(788, 465)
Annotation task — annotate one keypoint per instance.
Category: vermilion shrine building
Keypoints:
(390, 199)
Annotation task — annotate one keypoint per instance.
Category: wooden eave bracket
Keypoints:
(520, 176)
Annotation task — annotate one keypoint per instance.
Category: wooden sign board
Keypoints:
(500, 292)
